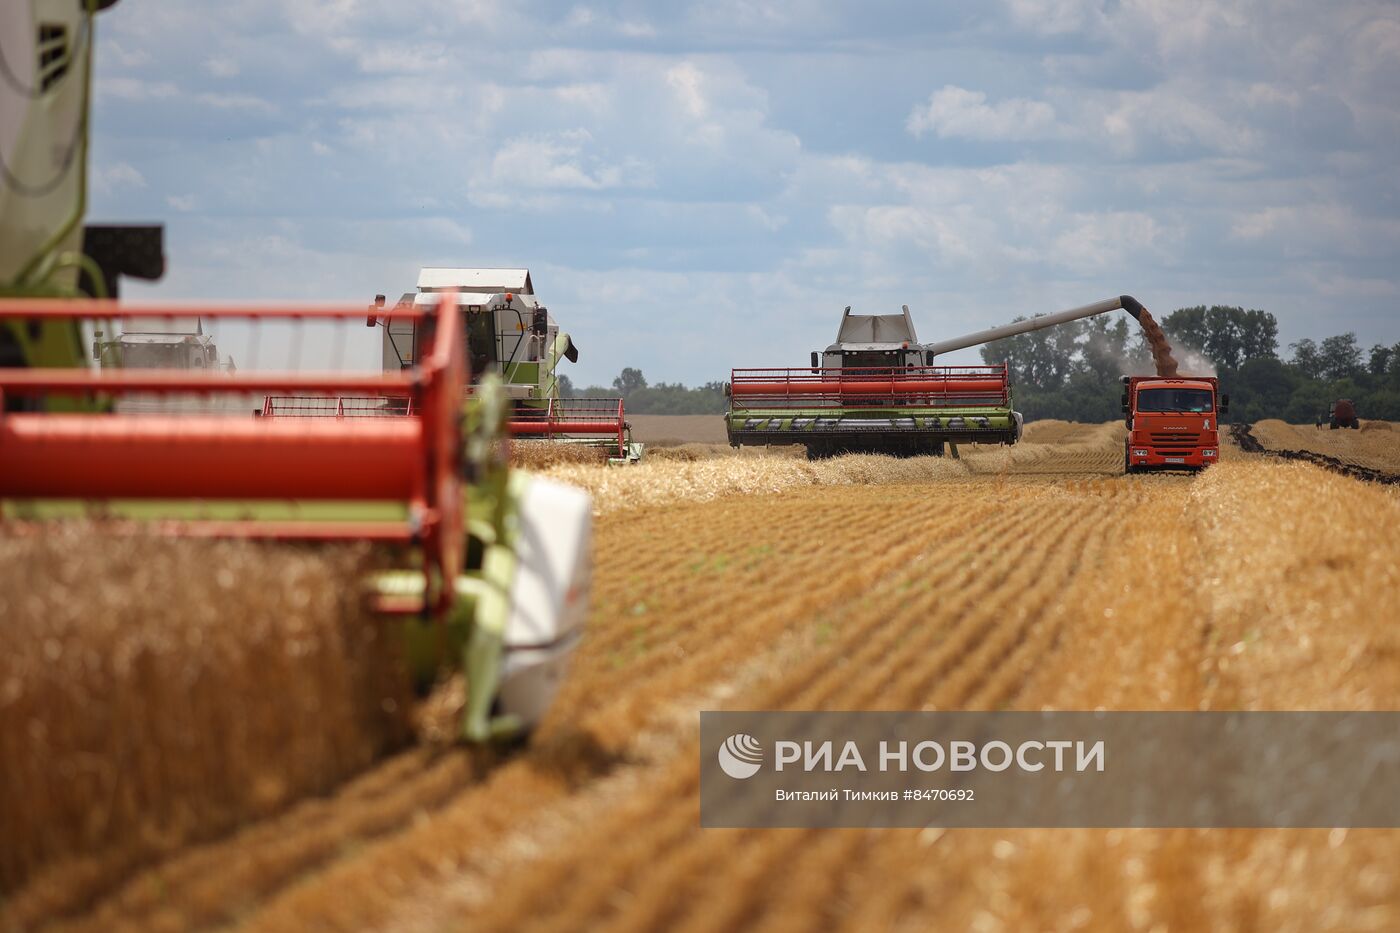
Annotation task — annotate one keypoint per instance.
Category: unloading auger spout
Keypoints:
(1125, 302)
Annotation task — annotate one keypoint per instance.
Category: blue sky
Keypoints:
(703, 185)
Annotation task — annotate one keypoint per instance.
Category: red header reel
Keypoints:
(211, 456)
(870, 387)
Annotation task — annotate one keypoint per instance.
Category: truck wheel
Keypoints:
(1356, 425)
(1334, 424)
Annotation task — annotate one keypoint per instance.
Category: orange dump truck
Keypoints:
(1173, 424)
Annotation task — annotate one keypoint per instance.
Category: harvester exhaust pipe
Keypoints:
(1126, 302)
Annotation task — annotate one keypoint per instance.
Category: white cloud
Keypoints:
(622, 122)
(582, 18)
(1258, 224)
(244, 102)
(324, 20)
(955, 112)
(559, 162)
(1175, 116)
(1056, 17)
(686, 81)
(221, 66)
(136, 89)
(1096, 242)
(744, 17)
(637, 29)
(592, 96)
(1320, 230)
(1342, 286)
(765, 218)
(956, 220)
(110, 179)
(127, 58)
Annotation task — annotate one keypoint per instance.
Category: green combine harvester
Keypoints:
(512, 337)
(877, 389)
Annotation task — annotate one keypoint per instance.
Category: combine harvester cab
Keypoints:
(158, 344)
(878, 390)
(513, 335)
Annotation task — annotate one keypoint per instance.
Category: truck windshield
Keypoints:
(1175, 400)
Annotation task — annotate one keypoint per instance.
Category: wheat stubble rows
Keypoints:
(1022, 580)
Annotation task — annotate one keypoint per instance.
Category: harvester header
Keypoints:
(486, 567)
(100, 454)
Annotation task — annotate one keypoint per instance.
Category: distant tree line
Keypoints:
(1072, 372)
(663, 398)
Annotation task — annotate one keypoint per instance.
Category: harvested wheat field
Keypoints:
(542, 455)
(1008, 579)
(1375, 445)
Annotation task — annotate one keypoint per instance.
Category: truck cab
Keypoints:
(1173, 424)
